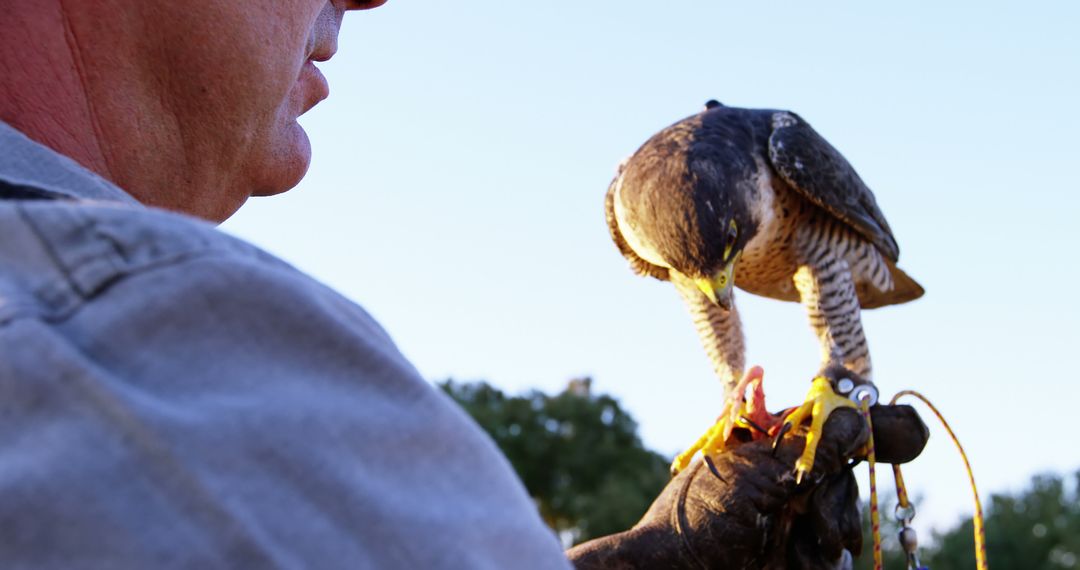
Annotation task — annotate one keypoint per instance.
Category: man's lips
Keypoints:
(314, 83)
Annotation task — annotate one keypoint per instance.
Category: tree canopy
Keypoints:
(578, 454)
(1037, 528)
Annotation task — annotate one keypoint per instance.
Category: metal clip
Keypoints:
(904, 515)
(862, 392)
(908, 538)
(909, 541)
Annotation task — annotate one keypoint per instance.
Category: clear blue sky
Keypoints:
(461, 162)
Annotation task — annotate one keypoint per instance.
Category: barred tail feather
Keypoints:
(904, 289)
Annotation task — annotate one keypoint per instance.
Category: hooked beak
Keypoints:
(718, 288)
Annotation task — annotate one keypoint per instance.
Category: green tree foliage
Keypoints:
(578, 454)
(1036, 529)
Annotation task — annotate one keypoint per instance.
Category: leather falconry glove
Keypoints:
(745, 510)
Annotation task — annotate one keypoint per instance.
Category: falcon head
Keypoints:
(706, 249)
(680, 216)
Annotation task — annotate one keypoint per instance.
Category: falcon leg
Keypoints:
(827, 290)
(721, 334)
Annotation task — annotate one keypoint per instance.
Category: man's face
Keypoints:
(217, 85)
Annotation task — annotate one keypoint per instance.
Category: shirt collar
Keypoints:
(24, 162)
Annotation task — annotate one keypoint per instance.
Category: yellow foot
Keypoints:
(715, 439)
(820, 403)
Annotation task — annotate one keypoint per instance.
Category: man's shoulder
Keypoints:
(62, 253)
(199, 384)
(78, 266)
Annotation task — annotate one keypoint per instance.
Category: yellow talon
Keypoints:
(820, 403)
(711, 442)
(715, 439)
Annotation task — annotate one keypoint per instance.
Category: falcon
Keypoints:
(757, 199)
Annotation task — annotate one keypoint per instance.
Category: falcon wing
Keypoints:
(640, 266)
(809, 164)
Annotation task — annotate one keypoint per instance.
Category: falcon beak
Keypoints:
(718, 288)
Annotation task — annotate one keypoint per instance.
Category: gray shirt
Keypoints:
(172, 397)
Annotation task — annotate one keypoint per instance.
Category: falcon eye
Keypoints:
(732, 235)
(721, 280)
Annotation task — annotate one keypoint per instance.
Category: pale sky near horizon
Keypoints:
(461, 162)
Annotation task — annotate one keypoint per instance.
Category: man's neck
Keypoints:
(42, 94)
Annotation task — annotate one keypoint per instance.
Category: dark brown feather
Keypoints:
(810, 165)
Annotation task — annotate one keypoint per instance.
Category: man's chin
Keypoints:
(287, 163)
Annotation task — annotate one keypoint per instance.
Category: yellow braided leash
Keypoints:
(871, 460)
(904, 505)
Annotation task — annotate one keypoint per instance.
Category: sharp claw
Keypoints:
(779, 436)
(712, 467)
(751, 423)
